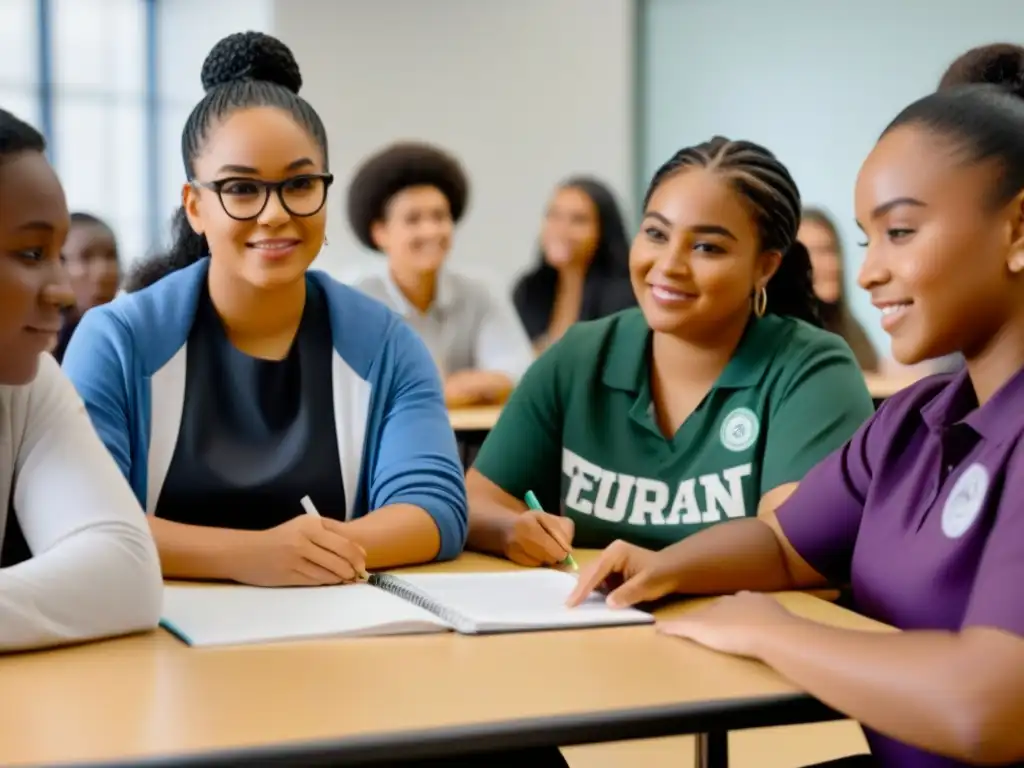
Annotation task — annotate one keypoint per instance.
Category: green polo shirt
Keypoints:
(579, 429)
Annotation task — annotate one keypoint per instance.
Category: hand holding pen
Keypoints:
(536, 537)
(305, 551)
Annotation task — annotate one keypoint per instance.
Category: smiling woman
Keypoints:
(920, 512)
(78, 562)
(708, 402)
(252, 381)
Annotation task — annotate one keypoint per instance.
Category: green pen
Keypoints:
(532, 503)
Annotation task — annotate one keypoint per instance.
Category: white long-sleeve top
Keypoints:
(95, 571)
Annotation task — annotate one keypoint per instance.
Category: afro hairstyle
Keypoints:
(397, 167)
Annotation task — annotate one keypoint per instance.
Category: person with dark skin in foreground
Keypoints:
(709, 401)
(77, 559)
(921, 511)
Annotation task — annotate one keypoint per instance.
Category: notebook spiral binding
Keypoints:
(396, 586)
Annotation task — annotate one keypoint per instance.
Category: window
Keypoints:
(19, 59)
(114, 121)
(183, 43)
(99, 113)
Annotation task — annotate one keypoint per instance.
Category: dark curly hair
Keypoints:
(773, 197)
(244, 70)
(397, 167)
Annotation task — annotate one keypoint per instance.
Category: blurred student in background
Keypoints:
(405, 202)
(583, 269)
(819, 235)
(94, 268)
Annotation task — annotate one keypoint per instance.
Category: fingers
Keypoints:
(539, 546)
(558, 528)
(331, 538)
(308, 573)
(594, 575)
(328, 560)
(635, 590)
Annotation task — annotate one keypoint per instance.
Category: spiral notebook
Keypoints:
(467, 603)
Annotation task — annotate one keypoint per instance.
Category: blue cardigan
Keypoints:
(127, 360)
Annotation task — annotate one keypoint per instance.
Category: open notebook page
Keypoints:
(519, 600)
(235, 614)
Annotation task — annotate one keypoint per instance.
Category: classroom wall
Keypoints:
(187, 30)
(525, 93)
(814, 81)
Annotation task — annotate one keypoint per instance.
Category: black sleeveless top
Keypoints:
(256, 435)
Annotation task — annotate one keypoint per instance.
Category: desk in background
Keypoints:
(471, 426)
(150, 700)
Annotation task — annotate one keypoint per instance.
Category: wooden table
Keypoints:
(150, 700)
(476, 419)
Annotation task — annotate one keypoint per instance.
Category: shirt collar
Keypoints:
(1001, 418)
(444, 295)
(626, 365)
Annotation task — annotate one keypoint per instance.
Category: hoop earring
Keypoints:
(761, 302)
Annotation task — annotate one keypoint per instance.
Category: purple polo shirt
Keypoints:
(921, 513)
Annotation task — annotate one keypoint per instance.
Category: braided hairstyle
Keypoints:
(242, 71)
(773, 198)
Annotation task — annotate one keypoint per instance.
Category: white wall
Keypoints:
(525, 92)
(188, 29)
(814, 81)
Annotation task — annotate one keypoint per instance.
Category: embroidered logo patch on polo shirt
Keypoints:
(965, 501)
(739, 429)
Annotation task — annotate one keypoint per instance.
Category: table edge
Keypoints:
(719, 715)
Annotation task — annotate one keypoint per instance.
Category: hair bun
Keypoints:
(999, 64)
(251, 56)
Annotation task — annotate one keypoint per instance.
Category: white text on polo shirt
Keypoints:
(594, 490)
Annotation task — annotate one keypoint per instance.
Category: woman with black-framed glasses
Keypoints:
(231, 382)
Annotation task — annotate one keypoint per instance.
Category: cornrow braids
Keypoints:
(242, 71)
(773, 196)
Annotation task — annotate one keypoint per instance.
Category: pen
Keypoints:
(532, 503)
(310, 507)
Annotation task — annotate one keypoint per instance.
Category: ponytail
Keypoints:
(791, 289)
(187, 248)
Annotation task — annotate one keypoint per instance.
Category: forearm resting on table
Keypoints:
(466, 388)
(398, 534)
(198, 551)
(96, 582)
(948, 693)
(731, 557)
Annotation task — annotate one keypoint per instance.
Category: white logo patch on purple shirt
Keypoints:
(965, 501)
